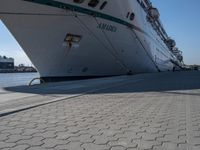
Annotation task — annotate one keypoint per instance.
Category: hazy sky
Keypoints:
(180, 18)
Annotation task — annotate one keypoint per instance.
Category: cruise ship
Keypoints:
(76, 39)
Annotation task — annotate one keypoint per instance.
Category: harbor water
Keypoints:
(16, 79)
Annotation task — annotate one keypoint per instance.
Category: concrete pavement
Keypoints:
(143, 112)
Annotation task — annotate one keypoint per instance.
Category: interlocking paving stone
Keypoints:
(4, 137)
(34, 141)
(118, 148)
(18, 147)
(84, 138)
(159, 117)
(74, 146)
(51, 143)
(123, 142)
(103, 140)
(16, 137)
(92, 146)
(6, 145)
(38, 148)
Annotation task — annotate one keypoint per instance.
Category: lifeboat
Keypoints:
(171, 43)
(154, 13)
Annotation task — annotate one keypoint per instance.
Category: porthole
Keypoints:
(79, 1)
(132, 16)
(103, 5)
(93, 3)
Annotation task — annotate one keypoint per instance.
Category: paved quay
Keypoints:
(159, 111)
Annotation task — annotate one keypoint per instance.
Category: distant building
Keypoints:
(192, 67)
(195, 67)
(23, 68)
(6, 64)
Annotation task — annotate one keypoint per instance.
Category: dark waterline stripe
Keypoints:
(61, 5)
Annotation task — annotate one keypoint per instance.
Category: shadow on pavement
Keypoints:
(155, 82)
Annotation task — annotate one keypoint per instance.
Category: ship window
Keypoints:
(103, 5)
(93, 3)
(132, 16)
(78, 1)
(127, 14)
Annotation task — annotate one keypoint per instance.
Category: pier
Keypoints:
(158, 111)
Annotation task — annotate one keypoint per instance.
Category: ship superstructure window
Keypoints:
(127, 14)
(132, 16)
(103, 5)
(79, 1)
(93, 3)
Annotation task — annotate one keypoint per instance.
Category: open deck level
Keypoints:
(142, 112)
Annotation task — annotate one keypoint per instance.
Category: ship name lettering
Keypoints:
(107, 27)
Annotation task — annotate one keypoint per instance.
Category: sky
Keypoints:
(9, 47)
(181, 19)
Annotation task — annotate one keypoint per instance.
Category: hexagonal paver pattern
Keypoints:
(147, 115)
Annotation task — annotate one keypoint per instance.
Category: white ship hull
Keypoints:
(41, 29)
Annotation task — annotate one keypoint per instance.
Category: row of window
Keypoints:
(93, 3)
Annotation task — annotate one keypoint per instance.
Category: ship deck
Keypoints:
(140, 112)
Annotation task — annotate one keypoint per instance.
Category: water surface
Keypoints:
(16, 79)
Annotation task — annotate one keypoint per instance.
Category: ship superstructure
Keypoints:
(73, 39)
